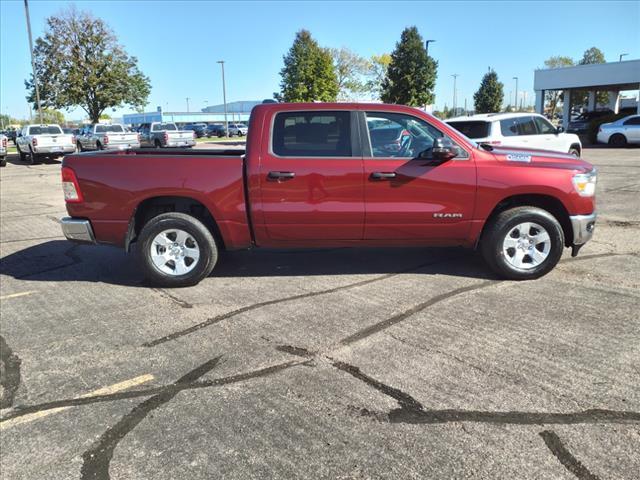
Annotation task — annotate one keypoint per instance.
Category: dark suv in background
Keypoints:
(200, 129)
(216, 130)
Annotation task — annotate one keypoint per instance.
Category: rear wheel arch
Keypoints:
(546, 202)
(577, 147)
(153, 206)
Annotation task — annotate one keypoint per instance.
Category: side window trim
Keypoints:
(354, 135)
(367, 150)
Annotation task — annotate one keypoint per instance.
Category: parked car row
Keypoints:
(217, 129)
(621, 132)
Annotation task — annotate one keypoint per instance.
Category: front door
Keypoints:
(311, 178)
(549, 137)
(409, 196)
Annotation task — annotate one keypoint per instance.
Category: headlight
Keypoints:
(585, 183)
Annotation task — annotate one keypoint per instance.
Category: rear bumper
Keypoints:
(121, 146)
(59, 150)
(180, 143)
(77, 230)
(583, 227)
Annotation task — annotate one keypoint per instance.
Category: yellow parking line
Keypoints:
(16, 295)
(117, 387)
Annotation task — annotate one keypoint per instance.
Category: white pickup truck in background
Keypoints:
(165, 134)
(35, 142)
(106, 137)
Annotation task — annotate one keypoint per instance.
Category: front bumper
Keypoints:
(77, 230)
(583, 227)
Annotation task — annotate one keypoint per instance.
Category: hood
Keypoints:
(541, 158)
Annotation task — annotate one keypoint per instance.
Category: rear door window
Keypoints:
(312, 134)
(473, 129)
(632, 121)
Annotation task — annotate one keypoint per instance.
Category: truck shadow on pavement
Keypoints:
(62, 261)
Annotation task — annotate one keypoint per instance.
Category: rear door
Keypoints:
(631, 129)
(408, 197)
(311, 181)
(519, 132)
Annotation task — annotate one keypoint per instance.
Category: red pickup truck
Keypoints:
(326, 175)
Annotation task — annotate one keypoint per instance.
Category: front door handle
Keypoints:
(281, 175)
(383, 175)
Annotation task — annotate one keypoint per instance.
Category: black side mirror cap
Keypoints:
(443, 149)
(560, 129)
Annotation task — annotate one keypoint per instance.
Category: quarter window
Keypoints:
(400, 135)
(633, 121)
(312, 134)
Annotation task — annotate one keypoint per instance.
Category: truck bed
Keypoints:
(115, 183)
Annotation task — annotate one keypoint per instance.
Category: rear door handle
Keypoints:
(279, 175)
(383, 175)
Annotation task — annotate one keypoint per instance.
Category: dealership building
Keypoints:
(236, 112)
(613, 78)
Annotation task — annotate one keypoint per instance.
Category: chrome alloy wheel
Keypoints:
(174, 252)
(526, 245)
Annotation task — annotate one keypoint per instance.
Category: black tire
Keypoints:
(617, 140)
(79, 147)
(3, 162)
(157, 144)
(99, 146)
(33, 158)
(491, 245)
(195, 228)
(575, 152)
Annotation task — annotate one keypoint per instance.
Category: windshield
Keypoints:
(164, 126)
(45, 130)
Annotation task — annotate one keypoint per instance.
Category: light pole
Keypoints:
(455, 99)
(188, 104)
(622, 55)
(33, 64)
(426, 45)
(224, 99)
(516, 95)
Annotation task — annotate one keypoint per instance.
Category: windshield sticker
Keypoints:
(519, 157)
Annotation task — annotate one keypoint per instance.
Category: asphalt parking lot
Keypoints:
(341, 364)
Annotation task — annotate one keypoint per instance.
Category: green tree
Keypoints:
(80, 63)
(592, 55)
(378, 66)
(308, 74)
(49, 115)
(350, 70)
(553, 97)
(411, 76)
(105, 116)
(488, 98)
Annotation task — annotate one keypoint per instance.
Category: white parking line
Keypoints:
(116, 387)
(16, 295)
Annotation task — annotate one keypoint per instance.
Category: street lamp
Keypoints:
(622, 55)
(188, 104)
(33, 65)
(224, 99)
(426, 45)
(516, 95)
(455, 99)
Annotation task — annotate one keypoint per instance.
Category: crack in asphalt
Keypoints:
(96, 460)
(178, 301)
(9, 374)
(255, 306)
(566, 458)
(20, 411)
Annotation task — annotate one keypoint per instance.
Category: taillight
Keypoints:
(166, 137)
(4, 142)
(34, 141)
(194, 135)
(106, 139)
(138, 138)
(70, 187)
(73, 139)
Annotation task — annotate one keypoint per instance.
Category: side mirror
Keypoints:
(443, 149)
(560, 129)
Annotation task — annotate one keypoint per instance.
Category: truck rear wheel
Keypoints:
(522, 243)
(176, 250)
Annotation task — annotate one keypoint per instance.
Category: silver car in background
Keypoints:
(238, 129)
(100, 136)
(621, 132)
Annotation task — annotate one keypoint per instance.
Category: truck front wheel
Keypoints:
(522, 243)
(177, 250)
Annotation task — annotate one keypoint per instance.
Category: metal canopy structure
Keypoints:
(600, 77)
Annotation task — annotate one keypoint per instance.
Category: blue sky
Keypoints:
(178, 43)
